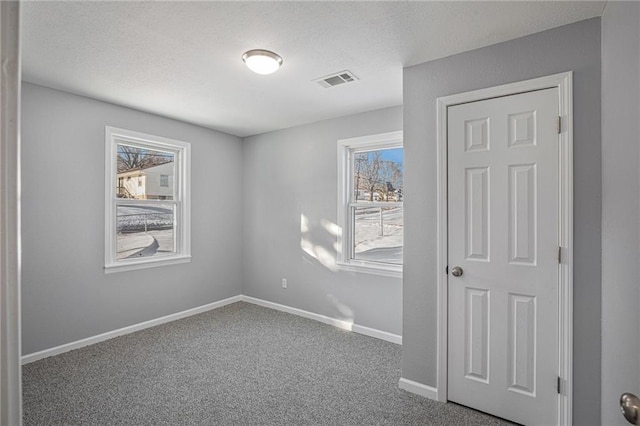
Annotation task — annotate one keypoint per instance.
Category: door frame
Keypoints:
(10, 257)
(564, 82)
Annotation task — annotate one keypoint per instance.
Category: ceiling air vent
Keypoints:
(337, 79)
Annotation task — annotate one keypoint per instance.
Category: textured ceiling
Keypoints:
(183, 59)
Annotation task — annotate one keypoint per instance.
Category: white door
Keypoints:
(503, 168)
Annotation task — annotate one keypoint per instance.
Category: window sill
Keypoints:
(371, 268)
(123, 266)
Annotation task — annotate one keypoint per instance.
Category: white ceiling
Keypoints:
(183, 59)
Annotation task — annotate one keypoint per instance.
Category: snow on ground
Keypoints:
(134, 218)
(164, 239)
(370, 244)
(133, 221)
(133, 241)
(143, 244)
(129, 245)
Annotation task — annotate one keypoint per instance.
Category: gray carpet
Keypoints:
(238, 365)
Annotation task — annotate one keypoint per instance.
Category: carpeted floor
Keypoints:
(238, 365)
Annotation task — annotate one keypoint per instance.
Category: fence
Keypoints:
(377, 216)
(144, 222)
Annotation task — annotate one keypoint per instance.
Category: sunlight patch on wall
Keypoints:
(334, 230)
(304, 224)
(326, 232)
(331, 227)
(346, 313)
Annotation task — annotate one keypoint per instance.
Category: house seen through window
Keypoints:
(148, 205)
(142, 222)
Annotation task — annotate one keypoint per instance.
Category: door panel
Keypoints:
(522, 214)
(477, 334)
(477, 206)
(521, 344)
(503, 232)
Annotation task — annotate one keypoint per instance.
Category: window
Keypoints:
(370, 199)
(146, 224)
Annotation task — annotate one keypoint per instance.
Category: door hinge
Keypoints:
(559, 124)
(446, 269)
(559, 382)
(559, 255)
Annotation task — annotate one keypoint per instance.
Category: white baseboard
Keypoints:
(126, 330)
(418, 388)
(345, 325)
(378, 334)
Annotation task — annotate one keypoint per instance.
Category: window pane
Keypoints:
(377, 175)
(378, 234)
(144, 174)
(145, 230)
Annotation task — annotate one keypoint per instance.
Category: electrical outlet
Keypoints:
(284, 283)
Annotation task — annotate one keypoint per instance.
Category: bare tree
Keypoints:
(359, 159)
(390, 178)
(369, 164)
(132, 158)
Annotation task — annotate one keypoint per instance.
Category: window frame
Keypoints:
(346, 150)
(182, 199)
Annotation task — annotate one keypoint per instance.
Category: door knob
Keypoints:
(456, 271)
(630, 406)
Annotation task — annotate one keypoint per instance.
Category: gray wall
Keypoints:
(293, 172)
(620, 206)
(573, 47)
(66, 295)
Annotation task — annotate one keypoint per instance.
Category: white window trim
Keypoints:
(346, 148)
(113, 136)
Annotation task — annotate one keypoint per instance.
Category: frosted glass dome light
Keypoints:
(262, 61)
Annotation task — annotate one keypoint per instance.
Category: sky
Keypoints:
(393, 155)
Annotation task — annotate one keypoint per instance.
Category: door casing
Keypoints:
(564, 82)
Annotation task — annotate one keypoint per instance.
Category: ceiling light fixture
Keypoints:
(262, 61)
